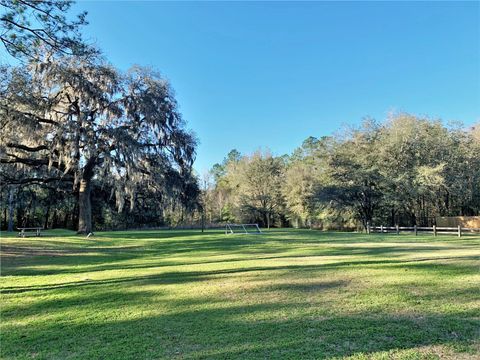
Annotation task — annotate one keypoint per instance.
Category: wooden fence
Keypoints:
(435, 230)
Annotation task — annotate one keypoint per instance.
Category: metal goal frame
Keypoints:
(229, 229)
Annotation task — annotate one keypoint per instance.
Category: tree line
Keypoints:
(406, 170)
(86, 146)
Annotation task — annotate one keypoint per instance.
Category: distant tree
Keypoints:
(218, 171)
(75, 119)
(462, 175)
(407, 170)
(412, 154)
(303, 174)
(307, 150)
(300, 190)
(354, 178)
(220, 195)
(257, 182)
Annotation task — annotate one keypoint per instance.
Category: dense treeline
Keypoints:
(404, 171)
(86, 146)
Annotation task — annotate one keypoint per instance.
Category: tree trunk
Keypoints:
(65, 220)
(10, 210)
(365, 222)
(19, 216)
(47, 215)
(73, 217)
(54, 219)
(84, 207)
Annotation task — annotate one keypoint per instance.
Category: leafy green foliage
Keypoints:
(250, 186)
(406, 171)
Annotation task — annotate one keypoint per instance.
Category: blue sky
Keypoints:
(250, 75)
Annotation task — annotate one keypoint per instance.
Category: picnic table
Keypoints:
(24, 230)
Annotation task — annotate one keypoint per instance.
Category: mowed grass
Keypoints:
(288, 294)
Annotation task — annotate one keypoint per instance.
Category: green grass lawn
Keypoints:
(288, 294)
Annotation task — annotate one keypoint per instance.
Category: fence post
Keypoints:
(381, 229)
(415, 229)
(398, 230)
(459, 231)
(434, 230)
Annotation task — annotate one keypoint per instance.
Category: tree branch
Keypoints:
(27, 148)
(36, 180)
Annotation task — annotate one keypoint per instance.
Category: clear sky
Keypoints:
(250, 75)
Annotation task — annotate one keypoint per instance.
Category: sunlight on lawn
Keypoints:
(287, 294)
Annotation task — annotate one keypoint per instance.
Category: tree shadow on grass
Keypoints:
(207, 328)
(267, 330)
(213, 327)
(19, 259)
(178, 277)
(95, 255)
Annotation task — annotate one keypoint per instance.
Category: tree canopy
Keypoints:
(406, 170)
(72, 122)
(82, 119)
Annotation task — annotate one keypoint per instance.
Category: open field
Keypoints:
(289, 294)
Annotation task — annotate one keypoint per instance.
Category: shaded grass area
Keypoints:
(289, 294)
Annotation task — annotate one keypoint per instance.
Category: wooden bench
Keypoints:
(24, 231)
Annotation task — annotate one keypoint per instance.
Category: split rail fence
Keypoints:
(435, 230)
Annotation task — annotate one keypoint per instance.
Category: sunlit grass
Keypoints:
(287, 294)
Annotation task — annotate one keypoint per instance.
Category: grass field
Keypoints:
(288, 294)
